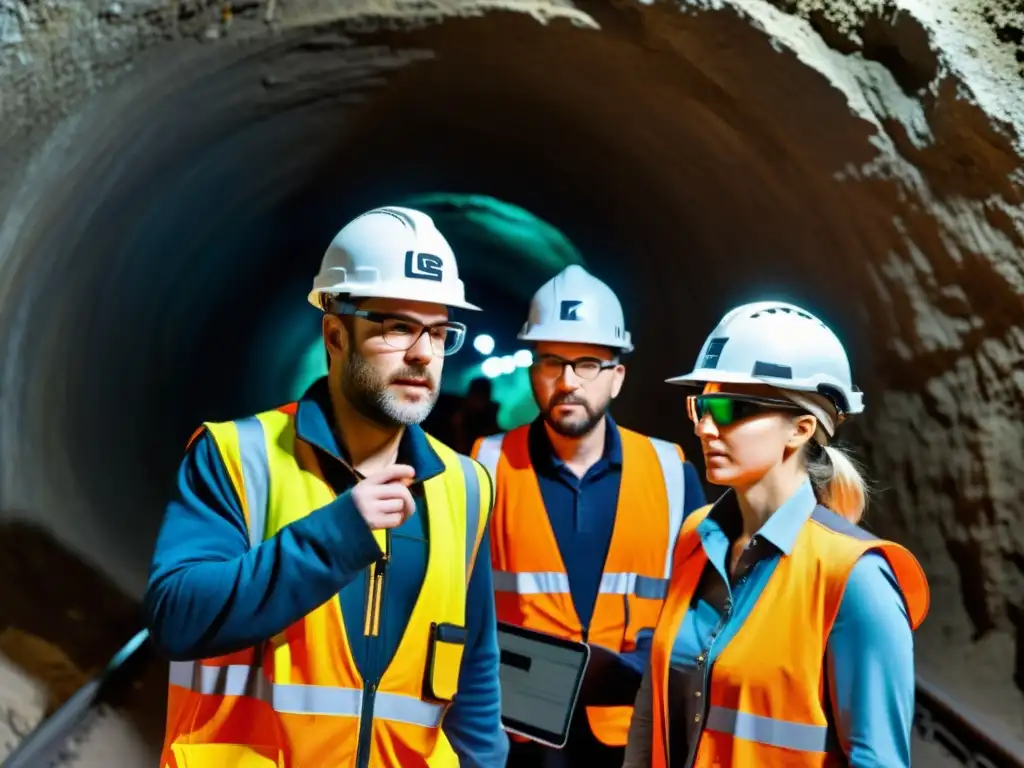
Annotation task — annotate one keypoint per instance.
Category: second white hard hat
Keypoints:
(780, 344)
(574, 306)
(391, 253)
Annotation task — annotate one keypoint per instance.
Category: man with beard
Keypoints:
(586, 513)
(319, 581)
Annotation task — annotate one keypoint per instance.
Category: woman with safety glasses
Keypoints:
(785, 639)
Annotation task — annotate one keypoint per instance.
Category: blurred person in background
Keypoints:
(476, 416)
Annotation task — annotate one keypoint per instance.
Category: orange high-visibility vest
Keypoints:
(530, 581)
(298, 701)
(766, 698)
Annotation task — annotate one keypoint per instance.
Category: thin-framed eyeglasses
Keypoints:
(402, 332)
(726, 409)
(587, 368)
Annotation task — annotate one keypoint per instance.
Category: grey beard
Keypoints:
(368, 393)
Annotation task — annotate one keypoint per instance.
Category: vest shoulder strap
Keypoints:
(487, 451)
(478, 490)
(847, 543)
(243, 449)
(670, 457)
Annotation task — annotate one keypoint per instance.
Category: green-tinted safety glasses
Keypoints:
(727, 409)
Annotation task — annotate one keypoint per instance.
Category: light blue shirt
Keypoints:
(870, 651)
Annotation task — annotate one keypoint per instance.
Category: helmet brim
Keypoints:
(397, 293)
(554, 338)
(712, 376)
(706, 375)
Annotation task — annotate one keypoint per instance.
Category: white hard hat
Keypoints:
(771, 342)
(391, 253)
(574, 306)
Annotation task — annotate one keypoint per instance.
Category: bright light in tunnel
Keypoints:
(523, 358)
(492, 367)
(484, 344)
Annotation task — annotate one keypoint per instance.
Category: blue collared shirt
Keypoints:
(582, 514)
(209, 594)
(870, 651)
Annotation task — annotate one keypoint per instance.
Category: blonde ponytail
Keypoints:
(838, 482)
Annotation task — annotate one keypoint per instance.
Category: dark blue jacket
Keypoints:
(209, 594)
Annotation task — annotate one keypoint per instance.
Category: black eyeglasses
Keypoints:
(401, 332)
(727, 409)
(588, 368)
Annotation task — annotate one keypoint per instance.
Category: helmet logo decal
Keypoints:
(570, 310)
(774, 370)
(423, 266)
(715, 347)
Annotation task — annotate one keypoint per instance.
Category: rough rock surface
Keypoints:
(877, 146)
(60, 623)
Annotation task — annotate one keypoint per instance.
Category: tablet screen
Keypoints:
(540, 682)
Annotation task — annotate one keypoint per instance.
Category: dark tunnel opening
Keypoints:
(155, 276)
(207, 204)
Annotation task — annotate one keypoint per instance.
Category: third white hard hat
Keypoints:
(574, 306)
(776, 343)
(391, 253)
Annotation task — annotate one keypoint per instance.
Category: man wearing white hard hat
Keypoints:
(586, 512)
(322, 580)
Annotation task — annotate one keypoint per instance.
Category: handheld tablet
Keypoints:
(540, 677)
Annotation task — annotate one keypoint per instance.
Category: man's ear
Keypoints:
(618, 378)
(336, 335)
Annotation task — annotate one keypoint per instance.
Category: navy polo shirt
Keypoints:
(582, 510)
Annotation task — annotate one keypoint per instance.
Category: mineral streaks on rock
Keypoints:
(13, 18)
(22, 705)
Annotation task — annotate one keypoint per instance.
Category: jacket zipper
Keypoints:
(371, 632)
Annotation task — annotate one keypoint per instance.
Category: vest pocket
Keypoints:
(447, 643)
(227, 756)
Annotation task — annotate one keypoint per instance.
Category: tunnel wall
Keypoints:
(861, 158)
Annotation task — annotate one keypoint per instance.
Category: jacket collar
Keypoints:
(780, 530)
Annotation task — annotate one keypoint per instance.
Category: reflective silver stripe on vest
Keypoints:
(472, 483)
(489, 453)
(765, 730)
(549, 583)
(252, 447)
(672, 471)
(240, 680)
(554, 583)
(646, 587)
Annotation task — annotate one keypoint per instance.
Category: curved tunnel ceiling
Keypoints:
(154, 242)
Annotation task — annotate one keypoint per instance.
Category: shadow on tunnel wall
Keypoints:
(695, 160)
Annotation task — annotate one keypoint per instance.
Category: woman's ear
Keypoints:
(804, 427)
